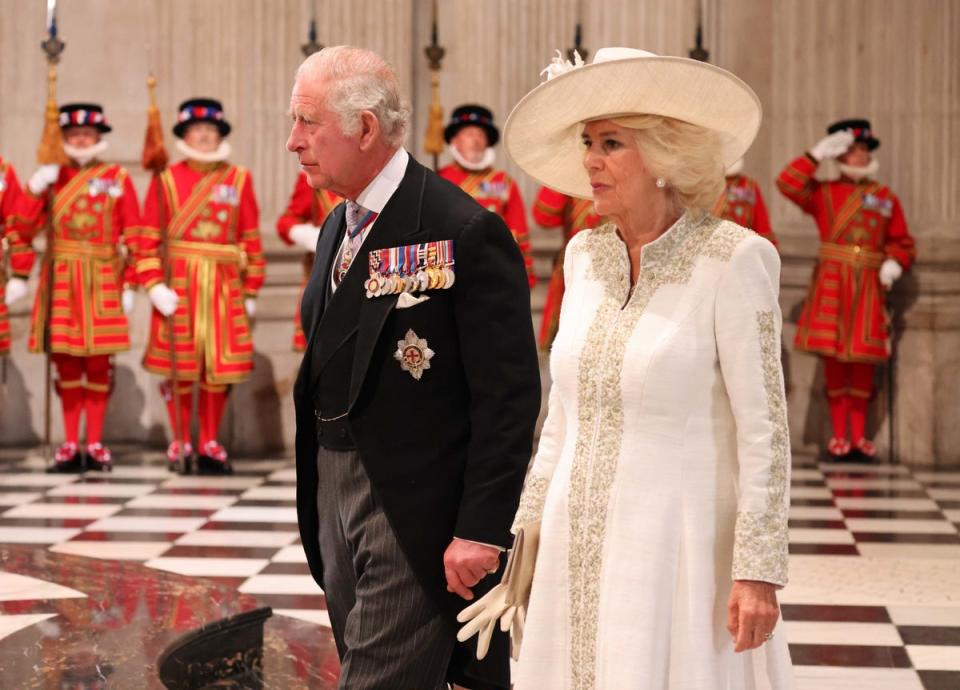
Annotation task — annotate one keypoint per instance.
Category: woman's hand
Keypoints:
(752, 613)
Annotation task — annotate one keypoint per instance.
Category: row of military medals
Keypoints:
(414, 268)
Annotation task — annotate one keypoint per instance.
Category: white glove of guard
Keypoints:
(833, 145)
(45, 176)
(127, 299)
(250, 304)
(16, 289)
(164, 299)
(306, 236)
(890, 271)
(508, 600)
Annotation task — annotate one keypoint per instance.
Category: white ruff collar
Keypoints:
(483, 164)
(221, 154)
(857, 173)
(84, 155)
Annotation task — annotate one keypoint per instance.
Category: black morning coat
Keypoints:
(446, 455)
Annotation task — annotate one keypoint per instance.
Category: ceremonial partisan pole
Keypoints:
(154, 160)
(50, 152)
(433, 140)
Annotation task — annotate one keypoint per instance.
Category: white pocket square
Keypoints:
(407, 300)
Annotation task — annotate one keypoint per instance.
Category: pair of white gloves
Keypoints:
(165, 301)
(16, 289)
(833, 146)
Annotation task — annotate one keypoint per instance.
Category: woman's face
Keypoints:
(619, 179)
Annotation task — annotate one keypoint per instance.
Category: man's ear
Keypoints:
(369, 130)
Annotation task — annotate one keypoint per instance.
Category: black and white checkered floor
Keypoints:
(873, 602)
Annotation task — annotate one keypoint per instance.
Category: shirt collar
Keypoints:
(381, 188)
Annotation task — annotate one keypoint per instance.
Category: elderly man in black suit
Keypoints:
(418, 393)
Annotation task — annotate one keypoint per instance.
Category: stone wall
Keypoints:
(810, 62)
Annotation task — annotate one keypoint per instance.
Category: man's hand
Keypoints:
(752, 613)
(466, 563)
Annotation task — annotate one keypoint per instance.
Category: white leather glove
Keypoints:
(833, 145)
(164, 299)
(45, 176)
(16, 289)
(306, 236)
(127, 299)
(890, 271)
(250, 304)
(506, 602)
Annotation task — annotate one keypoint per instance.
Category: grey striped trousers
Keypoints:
(387, 632)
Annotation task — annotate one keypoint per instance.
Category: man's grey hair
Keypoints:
(358, 80)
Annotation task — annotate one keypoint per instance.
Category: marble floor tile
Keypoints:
(849, 655)
(182, 501)
(15, 587)
(211, 482)
(934, 658)
(900, 526)
(317, 616)
(113, 550)
(259, 467)
(815, 513)
(937, 476)
(36, 535)
(286, 569)
(62, 511)
(281, 584)
(146, 472)
(290, 554)
(903, 504)
(254, 514)
(952, 515)
(834, 614)
(944, 494)
(816, 632)
(102, 489)
(888, 483)
(947, 615)
(209, 537)
(940, 680)
(824, 549)
(147, 524)
(872, 581)
(840, 678)
(911, 551)
(285, 475)
(942, 635)
(209, 567)
(806, 473)
(186, 551)
(36, 479)
(820, 536)
(810, 492)
(270, 493)
(16, 498)
(853, 469)
(17, 622)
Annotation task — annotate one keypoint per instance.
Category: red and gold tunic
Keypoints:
(307, 205)
(214, 260)
(861, 225)
(496, 191)
(10, 193)
(95, 214)
(553, 209)
(742, 203)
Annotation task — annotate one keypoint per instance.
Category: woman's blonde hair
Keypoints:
(686, 156)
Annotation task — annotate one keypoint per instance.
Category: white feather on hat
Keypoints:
(542, 134)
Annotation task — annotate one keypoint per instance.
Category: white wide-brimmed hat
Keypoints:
(543, 132)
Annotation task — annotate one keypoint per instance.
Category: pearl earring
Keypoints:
(661, 183)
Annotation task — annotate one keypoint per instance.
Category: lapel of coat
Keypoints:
(349, 310)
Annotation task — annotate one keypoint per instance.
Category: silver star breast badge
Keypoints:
(413, 354)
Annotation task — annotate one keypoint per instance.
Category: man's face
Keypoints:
(470, 142)
(81, 136)
(326, 154)
(202, 136)
(857, 155)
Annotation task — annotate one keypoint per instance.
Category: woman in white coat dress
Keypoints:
(661, 479)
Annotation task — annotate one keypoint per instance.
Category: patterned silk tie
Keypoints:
(357, 218)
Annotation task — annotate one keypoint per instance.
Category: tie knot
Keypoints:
(354, 213)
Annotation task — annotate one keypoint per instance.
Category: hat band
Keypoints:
(200, 112)
(82, 117)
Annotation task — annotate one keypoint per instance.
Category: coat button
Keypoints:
(343, 433)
